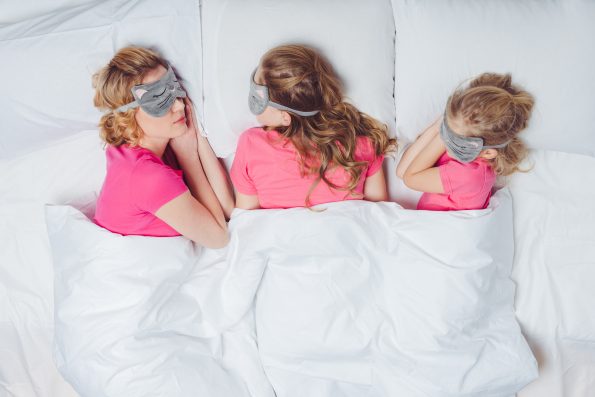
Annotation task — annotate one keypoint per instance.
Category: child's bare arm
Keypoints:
(375, 187)
(247, 202)
(416, 147)
(421, 175)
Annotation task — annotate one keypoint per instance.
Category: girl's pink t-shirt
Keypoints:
(467, 186)
(266, 165)
(137, 184)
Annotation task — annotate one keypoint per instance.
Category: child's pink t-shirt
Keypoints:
(266, 165)
(137, 184)
(467, 186)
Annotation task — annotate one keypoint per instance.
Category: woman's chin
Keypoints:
(180, 130)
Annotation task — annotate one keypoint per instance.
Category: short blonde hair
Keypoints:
(112, 89)
(497, 111)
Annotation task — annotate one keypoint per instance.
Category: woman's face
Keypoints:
(170, 125)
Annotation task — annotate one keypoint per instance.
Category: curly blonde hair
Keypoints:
(497, 111)
(112, 89)
(300, 78)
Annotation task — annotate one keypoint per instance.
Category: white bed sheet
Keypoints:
(554, 267)
(70, 171)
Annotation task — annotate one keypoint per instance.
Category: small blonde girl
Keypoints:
(456, 160)
(312, 147)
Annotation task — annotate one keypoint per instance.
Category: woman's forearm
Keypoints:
(216, 175)
(200, 187)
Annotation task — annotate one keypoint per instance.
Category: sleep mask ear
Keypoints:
(156, 98)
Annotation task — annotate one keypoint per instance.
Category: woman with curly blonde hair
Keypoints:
(313, 146)
(150, 130)
(455, 162)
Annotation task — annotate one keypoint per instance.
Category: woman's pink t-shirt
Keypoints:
(467, 186)
(266, 165)
(137, 184)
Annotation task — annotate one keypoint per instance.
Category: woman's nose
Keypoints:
(178, 105)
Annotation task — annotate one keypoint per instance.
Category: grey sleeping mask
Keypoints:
(463, 148)
(258, 100)
(158, 97)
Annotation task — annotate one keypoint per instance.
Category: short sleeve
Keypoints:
(367, 153)
(374, 165)
(239, 174)
(153, 184)
(460, 178)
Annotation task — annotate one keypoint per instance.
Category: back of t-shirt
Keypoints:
(266, 165)
(467, 186)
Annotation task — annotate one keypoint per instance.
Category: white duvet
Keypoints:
(360, 299)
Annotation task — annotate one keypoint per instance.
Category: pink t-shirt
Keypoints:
(137, 184)
(266, 165)
(466, 186)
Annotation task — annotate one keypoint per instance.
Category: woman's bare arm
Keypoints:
(213, 169)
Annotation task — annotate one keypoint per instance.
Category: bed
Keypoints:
(357, 299)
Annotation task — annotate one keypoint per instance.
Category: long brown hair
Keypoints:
(497, 111)
(300, 78)
(112, 86)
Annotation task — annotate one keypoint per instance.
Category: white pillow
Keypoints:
(48, 61)
(547, 46)
(357, 37)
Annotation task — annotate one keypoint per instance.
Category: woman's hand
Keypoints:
(214, 170)
(186, 145)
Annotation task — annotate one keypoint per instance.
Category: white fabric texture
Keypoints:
(360, 296)
(49, 60)
(370, 299)
(554, 226)
(68, 172)
(237, 33)
(14, 11)
(132, 317)
(547, 46)
(50, 153)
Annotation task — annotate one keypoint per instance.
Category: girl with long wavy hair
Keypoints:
(313, 146)
(456, 160)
